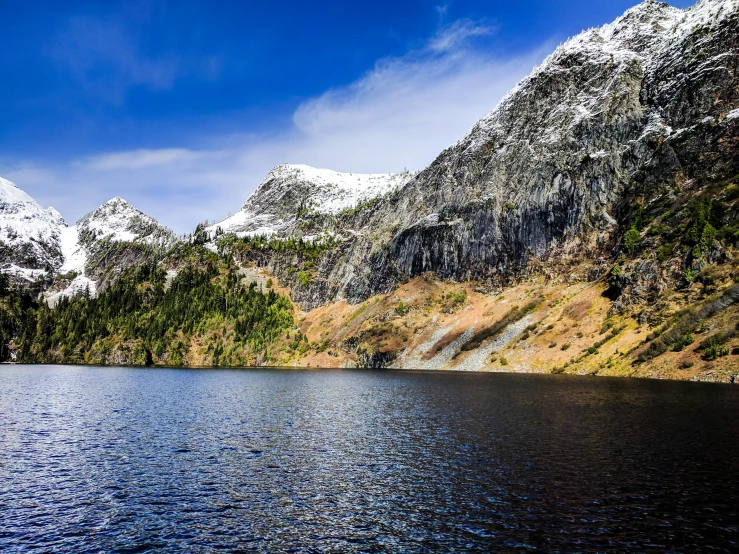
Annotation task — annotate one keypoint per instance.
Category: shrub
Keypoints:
(715, 351)
(682, 342)
(632, 237)
(665, 252)
(400, 308)
(565, 346)
(304, 278)
(503, 361)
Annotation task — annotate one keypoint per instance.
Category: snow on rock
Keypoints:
(114, 221)
(290, 190)
(35, 241)
(29, 234)
(119, 221)
(74, 256)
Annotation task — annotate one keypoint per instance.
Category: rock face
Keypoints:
(29, 234)
(538, 184)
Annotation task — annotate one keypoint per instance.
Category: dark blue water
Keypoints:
(135, 460)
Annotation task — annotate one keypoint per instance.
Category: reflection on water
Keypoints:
(112, 459)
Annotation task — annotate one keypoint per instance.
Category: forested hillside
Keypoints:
(201, 313)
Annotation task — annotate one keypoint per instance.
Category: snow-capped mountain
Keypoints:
(539, 184)
(116, 221)
(29, 234)
(289, 191)
(36, 242)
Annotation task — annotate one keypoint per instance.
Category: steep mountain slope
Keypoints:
(539, 183)
(29, 234)
(541, 178)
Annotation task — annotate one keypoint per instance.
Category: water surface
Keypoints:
(136, 460)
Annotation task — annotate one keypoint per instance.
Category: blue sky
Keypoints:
(183, 107)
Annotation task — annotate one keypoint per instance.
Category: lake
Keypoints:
(154, 460)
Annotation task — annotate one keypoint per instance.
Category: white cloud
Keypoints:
(400, 114)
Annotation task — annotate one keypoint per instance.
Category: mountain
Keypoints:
(36, 243)
(542, 179)
(612, 168)
(105, 242)
(291, 193)
(29, 234)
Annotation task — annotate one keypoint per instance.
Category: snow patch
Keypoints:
(74, 255)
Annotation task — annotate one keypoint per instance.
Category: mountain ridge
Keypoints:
(38, 244)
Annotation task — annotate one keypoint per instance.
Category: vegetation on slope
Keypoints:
(206, 314)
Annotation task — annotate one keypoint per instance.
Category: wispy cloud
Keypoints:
(442, 10)
(451, 37)
(400, 114)
(105, 57)
(149, 159)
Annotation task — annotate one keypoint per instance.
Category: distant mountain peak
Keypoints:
(290, 190)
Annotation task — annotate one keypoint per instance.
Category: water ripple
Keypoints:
(129, 460)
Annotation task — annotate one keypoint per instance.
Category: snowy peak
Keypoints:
(640, 28)
(328, 191)
(290, 190)
(35, 241)
(117, 220)
(600, 72)
(114, 221)
(29, 234)
(56, 216)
